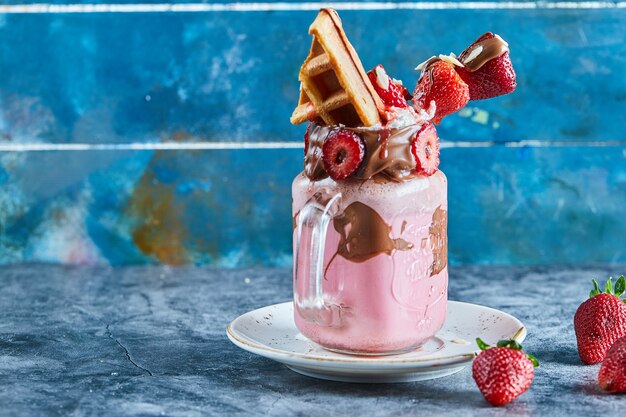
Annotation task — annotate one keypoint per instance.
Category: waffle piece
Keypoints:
(333, 84)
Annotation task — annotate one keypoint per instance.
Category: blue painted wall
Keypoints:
(124, 78)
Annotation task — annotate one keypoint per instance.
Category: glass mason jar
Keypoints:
(370, 252)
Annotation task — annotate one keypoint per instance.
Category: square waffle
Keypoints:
(334, 88)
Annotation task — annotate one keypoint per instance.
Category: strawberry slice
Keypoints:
(342, 153)
(425, 150)
(494, 78)
(440, 83)
(390, 90)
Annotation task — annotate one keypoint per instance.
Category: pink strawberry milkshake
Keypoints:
(370, 208)
(384, 264)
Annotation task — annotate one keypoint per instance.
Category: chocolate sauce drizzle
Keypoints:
(387, 153)
(474, 57)
(488, 49)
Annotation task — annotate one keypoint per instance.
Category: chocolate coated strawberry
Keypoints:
(440, 83)
(342, 153)
(612, 375)
(391, 91)
(504, 372)
(307, 136)
(425, 150)
(600, 321)
(492, 78)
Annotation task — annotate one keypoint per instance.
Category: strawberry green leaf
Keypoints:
(609, 286)
(533, 360)
(482, 345)
(620, 286)
(511, 344)
(596, 289)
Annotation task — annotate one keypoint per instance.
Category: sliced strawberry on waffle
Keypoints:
(425, 150)
(390, 90)
(440, 84)
(495, 77)
(342, 153)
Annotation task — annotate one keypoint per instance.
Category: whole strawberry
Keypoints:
(600, 321)
(504, 372)
(495, 77)
(390, 90)
(612, 375)
(440, 84)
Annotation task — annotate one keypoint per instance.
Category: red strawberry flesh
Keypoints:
(391, 93)
(342, 153)
(440, 83)
(425, 150)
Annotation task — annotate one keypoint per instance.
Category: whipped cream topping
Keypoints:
(406, 117)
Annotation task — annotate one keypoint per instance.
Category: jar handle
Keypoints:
(309, 298)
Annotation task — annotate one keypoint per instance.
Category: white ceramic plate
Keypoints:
(270, 332)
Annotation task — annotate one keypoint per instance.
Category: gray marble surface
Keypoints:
(151, 341)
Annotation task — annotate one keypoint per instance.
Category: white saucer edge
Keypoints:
(275, 354)
(378, 379)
